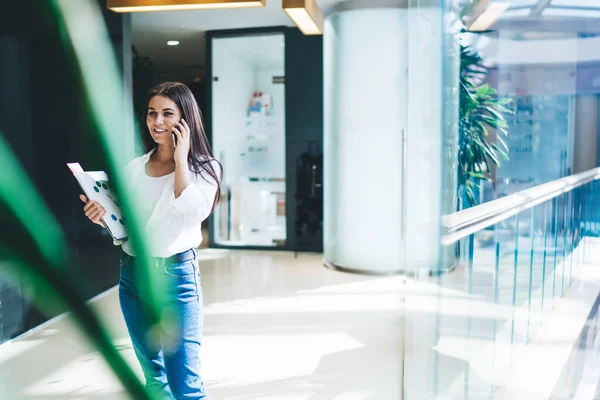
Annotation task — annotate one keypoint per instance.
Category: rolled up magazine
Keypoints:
(96, 187)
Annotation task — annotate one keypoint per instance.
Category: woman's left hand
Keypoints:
(182, 148)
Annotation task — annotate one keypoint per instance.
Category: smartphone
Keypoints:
(174, 137)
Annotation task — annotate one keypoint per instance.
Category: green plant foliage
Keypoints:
(482, 127)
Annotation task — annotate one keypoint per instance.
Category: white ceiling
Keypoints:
(151, 31)
(260, 52)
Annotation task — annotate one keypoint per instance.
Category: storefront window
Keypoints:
(248, 129)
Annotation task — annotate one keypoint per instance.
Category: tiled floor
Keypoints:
(277, 327)
(580, 377)
(285, 328)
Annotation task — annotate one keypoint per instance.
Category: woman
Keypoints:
(177, 187)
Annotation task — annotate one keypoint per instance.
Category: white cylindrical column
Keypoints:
(365, 76)
(384, 133)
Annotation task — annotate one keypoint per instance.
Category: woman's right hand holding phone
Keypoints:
(93, 210)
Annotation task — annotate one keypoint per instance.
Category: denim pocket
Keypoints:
(181, 270)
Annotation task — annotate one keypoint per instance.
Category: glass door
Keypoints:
(248, 128)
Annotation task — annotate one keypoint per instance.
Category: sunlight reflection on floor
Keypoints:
(276, 327)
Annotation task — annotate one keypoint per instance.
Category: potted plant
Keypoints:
(482, 128)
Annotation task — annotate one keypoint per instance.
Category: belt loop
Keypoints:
(195, 253)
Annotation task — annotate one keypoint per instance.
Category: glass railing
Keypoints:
(534, 236)
(511, 261)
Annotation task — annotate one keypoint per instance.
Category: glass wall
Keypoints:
(531, 76)
(248, 133)
(543, 94)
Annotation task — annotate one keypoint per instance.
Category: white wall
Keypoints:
(264, 83)
(274, 164)
(231, 97)
(564, 50)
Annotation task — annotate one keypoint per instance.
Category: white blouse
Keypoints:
(172, 225)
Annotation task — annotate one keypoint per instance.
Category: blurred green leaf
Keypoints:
(500, 152)
(504, 145)
(470, 195)
(56, 287)
(482, 90)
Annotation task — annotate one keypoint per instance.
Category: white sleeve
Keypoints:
(199, 196)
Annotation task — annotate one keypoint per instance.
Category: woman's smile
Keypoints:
(158, 131)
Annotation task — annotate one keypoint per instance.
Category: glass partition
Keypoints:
(248, 128)
(541, 90)
(490, 324)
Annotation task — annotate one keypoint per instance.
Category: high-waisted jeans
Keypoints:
(170, 359)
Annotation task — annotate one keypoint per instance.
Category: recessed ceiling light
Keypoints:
(173, 42)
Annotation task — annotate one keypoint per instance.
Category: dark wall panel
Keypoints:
(304, 135)
(46, 120)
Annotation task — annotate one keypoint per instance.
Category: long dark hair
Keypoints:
(200, 157)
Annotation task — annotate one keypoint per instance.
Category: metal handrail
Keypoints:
(463, 223)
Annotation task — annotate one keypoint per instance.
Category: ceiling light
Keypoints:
(173, 42)
(178, 5)
(306, 14)
(489, 16)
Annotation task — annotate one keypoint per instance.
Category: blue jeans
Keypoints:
(169, 358)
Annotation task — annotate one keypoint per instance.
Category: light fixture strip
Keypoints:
(123, 6)
(489, 16)
(306, 14)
